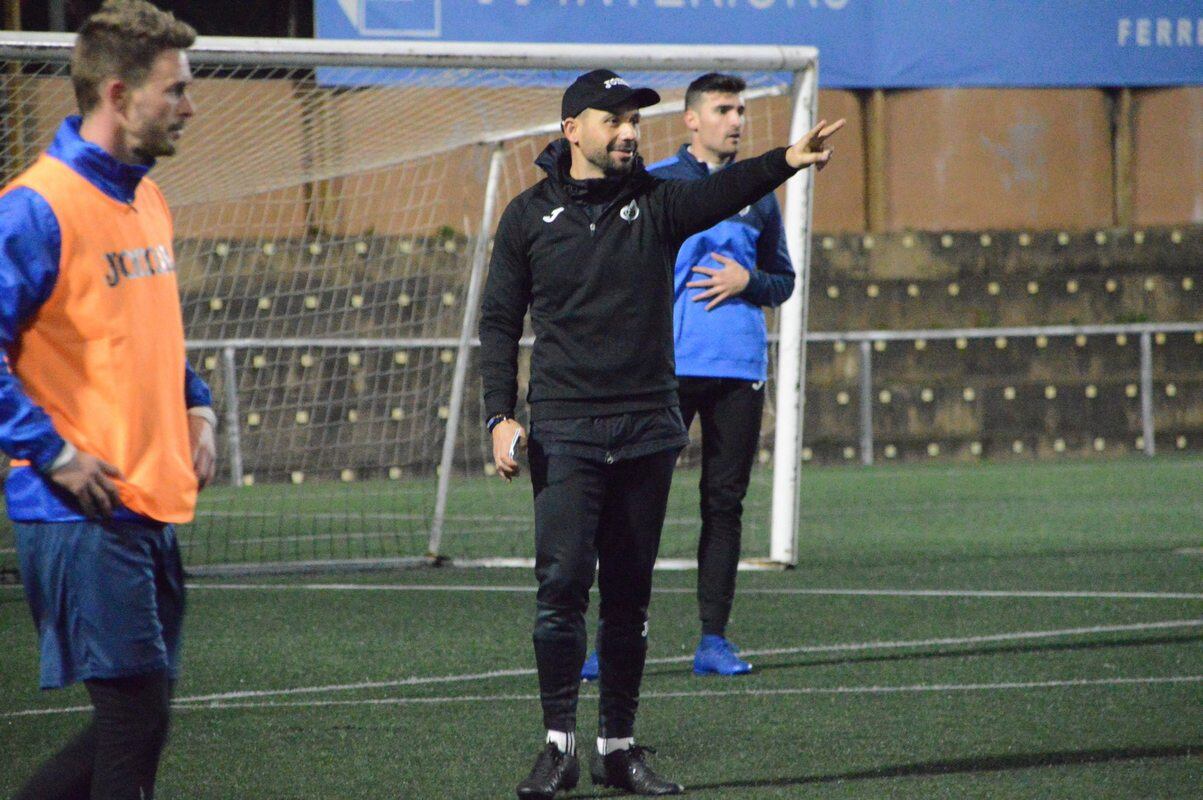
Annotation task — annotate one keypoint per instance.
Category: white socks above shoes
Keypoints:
(605, 746)
(564, 741)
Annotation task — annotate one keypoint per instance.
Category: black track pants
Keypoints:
(730, 412)
(589, 512)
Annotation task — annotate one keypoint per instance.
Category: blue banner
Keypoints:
(862, 43)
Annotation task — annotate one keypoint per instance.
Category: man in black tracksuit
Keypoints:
(590, 250)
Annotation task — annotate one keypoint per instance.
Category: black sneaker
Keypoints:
(628, 769)
(552, 772)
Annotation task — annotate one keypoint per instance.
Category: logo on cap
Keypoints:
(603, 90)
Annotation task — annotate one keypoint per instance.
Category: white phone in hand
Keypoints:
(514, 442)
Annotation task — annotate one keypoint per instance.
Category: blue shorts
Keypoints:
(107, 597)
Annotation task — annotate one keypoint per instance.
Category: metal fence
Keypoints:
(1145, 331)
(864, 339)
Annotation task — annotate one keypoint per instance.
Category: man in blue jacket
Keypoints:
(723, 276)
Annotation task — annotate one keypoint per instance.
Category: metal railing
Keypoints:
(1145, 331)
(864, 339)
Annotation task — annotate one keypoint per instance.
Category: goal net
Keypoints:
(333, 204)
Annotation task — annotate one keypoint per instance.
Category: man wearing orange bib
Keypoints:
(110, 431)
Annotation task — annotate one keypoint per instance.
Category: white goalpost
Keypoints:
(334, 203)
(798, 217)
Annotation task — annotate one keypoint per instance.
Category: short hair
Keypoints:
(713, 82)
(122, 40)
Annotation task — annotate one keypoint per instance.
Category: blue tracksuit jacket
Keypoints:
(730, 340)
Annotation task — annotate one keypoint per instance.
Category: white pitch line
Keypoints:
(996, 637)
(356, 587)
(417, 680)
(184, 704)
(949, 593)
(1020, 593)
(784, 591)
(805, 690)
(522, 519)
(214, 698)
(314, 515)
(522, 672)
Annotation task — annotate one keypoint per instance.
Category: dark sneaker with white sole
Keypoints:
(629, 770)
(553, 772)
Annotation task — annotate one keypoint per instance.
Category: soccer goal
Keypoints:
(333, 205)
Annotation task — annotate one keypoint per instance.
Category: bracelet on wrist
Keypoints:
(496, 420)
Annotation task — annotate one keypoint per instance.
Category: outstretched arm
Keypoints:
(812, 149)
(692, 206)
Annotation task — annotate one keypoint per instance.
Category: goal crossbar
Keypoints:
(239, 50)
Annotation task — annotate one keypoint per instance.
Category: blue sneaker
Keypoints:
(717, 656)
(590, 671)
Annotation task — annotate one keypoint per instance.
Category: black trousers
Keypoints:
(589, 512)
(730, 412)
(117, 756)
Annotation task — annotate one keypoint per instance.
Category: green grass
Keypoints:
(886, 512)
(803, 725)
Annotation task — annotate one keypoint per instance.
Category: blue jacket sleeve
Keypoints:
(772, 282)
(196, 391)
(30, 246)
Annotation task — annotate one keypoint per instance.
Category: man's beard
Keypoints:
(147, 154)
(155, 147)
(602, 160)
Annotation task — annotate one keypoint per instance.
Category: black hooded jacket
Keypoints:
(594, 263)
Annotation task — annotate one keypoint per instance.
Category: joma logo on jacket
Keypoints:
(142, 262)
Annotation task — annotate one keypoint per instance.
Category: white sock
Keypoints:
(605, 746)
(565, 741)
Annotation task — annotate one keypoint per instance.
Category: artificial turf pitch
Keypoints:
(1078, 674)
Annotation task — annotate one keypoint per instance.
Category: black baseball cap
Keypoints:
(604, 90)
